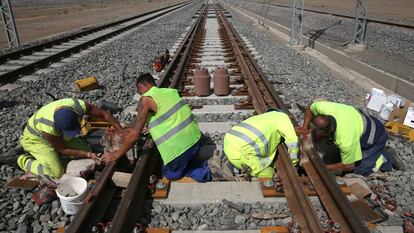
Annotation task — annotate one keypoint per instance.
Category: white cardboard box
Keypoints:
(376, 99)
(409, 118)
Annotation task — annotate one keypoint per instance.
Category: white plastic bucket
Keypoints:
(71, 193)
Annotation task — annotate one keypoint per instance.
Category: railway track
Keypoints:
(29, 60)
(213, 42)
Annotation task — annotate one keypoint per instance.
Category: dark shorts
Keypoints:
(330, 151)
(187, 164)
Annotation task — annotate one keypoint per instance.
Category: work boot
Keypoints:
(398, 163)
(10, 157)
(218, 166)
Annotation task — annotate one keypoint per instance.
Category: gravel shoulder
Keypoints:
(389, 48)
(395, 11)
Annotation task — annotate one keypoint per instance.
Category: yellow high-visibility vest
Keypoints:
(42, 120)
(173, 127)
(349, 128)
(254, 141)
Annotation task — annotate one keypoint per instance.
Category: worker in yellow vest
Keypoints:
(253, 143)
(173, 129)
(360, 138)
(54, 130)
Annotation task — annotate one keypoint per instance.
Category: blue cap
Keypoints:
(67, 122)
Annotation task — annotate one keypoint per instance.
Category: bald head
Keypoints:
(322, 124)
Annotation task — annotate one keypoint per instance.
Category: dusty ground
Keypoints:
(382, 9)
(39, 22)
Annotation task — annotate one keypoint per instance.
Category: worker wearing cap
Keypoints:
(253, 143)
(173, 129)
(361, 138)
(53, 130)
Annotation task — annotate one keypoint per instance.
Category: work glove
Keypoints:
(245, 174)
(295, 162)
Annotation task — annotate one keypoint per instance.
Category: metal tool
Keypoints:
(10, 157)
(301, 107)
(44, 195)
(268, 215)
(112, 107)
(233, 205)
(364, 194)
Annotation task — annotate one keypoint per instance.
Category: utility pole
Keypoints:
(297, 18)
(263, 12)
(9, 24)
(360, 27)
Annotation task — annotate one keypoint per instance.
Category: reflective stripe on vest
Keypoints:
(259, 134)
(33, 130)
(380, 161)
(43, 121)
(292, 146)
(246, 139)
(78, 108)
(175, 130)
(172, 127)
(166, 115)
(264, 162)
(263, 159)
(371, 136)
(29, 164)
(39, 167)
(40, 170)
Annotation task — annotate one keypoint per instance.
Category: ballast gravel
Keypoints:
(389, 40)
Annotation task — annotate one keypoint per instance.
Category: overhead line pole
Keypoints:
(360, 26)
(297, 20)
(9, 24)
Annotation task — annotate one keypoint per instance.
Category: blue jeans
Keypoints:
(187, 164)
(370, 156)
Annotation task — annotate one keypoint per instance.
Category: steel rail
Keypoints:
(299, 203)
(259, 78)
(174, 70)
(98, 199)
(95, 202)
(335, 202)
(330, 194)
(259, 104)
(132, 203)
(15, 74)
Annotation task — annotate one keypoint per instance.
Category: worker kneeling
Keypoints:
(360, 138)
(172, 127)
(54, 130)
(253, 143)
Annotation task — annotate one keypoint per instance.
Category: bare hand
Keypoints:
(278, 183)
(97, 158)
(302, 130)
(145, 131)
(109, 157)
